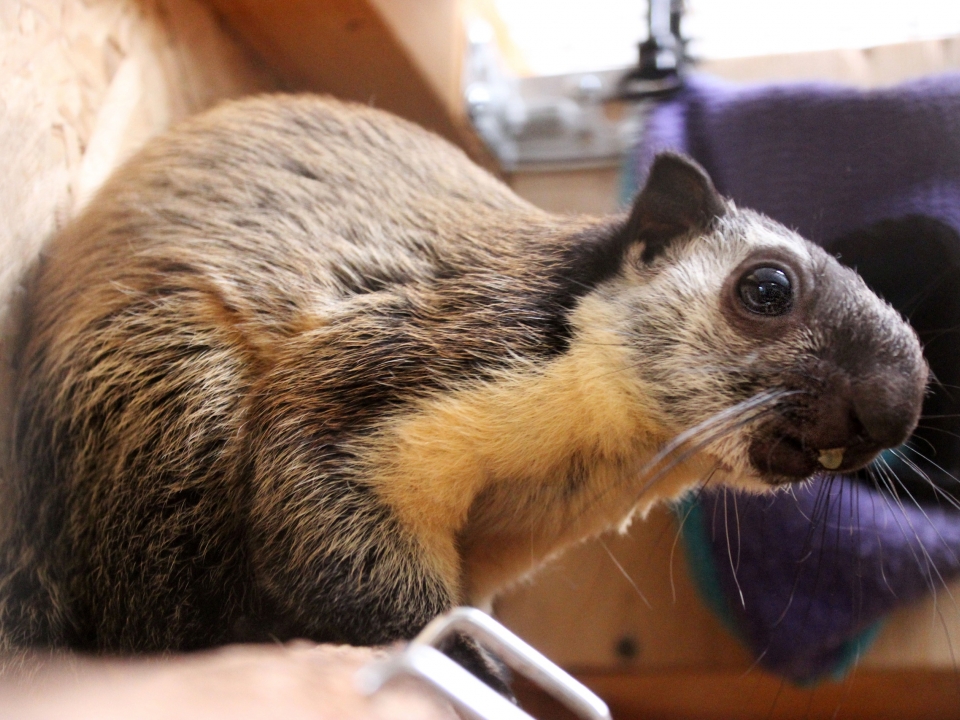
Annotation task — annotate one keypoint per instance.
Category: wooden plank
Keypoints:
(432, 34)
(868, 695)
(916, 695)
(622, 602)
(592, 191)
(867, 67)
(83, 84)
(357, 50)
(627, 602)
(297, 681)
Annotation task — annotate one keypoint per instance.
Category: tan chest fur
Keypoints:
(496, 477)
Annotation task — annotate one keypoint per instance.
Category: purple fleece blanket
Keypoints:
(805, 576)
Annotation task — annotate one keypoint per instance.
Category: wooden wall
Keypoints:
(82, 84)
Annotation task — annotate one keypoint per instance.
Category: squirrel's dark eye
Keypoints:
(766, 291)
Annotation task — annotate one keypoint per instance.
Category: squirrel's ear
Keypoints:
(678, 199)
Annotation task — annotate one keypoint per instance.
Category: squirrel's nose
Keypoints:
(857, 418)
(888, 406)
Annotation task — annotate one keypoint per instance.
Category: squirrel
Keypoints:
(302, 369)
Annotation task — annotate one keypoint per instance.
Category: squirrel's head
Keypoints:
(752, 343)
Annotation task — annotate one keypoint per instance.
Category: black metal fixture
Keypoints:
(662, 55)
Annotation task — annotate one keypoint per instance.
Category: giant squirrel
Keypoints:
(301, 369)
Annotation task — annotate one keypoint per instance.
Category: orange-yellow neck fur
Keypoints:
(496, 477)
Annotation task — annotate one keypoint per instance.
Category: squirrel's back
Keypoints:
(178, 303)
